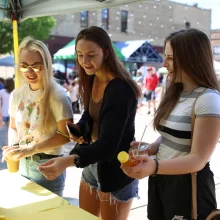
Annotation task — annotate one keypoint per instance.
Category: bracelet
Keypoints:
(157, 166)
(76, 161)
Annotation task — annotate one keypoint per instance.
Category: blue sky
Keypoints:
(207, 4)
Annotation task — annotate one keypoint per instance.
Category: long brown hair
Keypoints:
(9, 85)
(101, 38)
(192, 54)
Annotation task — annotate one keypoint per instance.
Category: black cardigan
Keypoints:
(116, 131)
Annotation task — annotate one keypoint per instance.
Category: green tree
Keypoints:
(38, 28)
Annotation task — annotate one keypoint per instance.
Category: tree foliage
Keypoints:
(38, 28)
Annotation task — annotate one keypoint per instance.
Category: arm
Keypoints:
(202, 147)
(83, 120)
(118, 104)
(205, 138)
(155, 146)
(55, 141)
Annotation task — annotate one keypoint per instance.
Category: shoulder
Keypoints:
(20, 90)
(208, 95)
(59, 95)
(208, 102)
(118, 86)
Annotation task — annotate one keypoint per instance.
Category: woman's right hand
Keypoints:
(79, 140)
(135, 144)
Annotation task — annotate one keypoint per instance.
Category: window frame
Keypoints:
(85, 23)
(106, 23)
(216, 53)
(124, 23)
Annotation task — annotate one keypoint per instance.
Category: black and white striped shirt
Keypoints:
(176, 130)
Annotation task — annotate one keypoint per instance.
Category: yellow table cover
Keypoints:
(18, 195)
(66, 212)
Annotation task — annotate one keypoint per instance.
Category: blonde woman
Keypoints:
(38, 108)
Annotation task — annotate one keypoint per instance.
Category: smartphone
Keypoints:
(73, 131)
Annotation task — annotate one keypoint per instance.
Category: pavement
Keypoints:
(139, 206)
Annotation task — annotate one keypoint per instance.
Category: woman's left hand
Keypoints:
(146, 167)
(18, 152)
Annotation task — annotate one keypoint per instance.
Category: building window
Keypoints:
(124, 21)
(216, 50)
(105, 18)
(84, 20)
(187, 25)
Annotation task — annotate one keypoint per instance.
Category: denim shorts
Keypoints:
(29, 169)
(90, 176)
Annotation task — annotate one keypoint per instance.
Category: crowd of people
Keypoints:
(110, 99)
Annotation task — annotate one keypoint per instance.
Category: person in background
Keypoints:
(4, 101)
(110, 99)
(183, 148)
(74, 95)
(38, 108)
(2, 81)
(139, 81)
(150, 84)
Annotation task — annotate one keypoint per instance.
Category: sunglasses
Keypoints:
(24, 68)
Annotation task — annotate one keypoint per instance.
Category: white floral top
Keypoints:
(24, 107)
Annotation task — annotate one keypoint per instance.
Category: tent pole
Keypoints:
(15, 40)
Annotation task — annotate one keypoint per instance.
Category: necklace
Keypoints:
(188, 95)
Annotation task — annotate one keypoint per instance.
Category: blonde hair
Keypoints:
(32, 45)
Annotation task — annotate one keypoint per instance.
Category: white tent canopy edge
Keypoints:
(37, 8)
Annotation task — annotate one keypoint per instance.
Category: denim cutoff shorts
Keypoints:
(90, 176)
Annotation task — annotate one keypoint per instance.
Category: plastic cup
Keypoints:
(139, 151)
(13, 165)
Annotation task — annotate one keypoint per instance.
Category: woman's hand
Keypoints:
(148, 151)
(79, 140)
(18, 152)
(146, 167)
(54, 167)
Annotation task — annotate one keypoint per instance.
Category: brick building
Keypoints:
(150, 19)
(145, 20)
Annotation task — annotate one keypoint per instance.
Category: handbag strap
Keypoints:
(193, 175)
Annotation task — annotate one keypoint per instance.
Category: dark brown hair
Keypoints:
(192, 54)
(101, 38)
(9, 85)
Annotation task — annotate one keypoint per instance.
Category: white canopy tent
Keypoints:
(36, 8)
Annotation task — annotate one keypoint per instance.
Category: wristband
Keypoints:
(157, 166)
(76, 160)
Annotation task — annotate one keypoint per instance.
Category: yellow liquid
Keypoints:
(131, 163)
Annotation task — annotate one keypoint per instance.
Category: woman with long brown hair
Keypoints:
(192, 80)
(110, 99)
